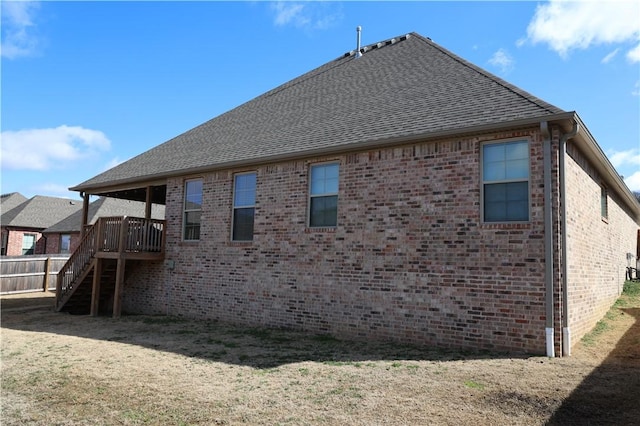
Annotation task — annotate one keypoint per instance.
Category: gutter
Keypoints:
(160, 178)
(566, 331)
(548, 241)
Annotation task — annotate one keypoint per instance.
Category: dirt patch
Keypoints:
(75, 370)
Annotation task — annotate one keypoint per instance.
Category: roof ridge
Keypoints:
(512, 88)
(378, 45)
(324, 68)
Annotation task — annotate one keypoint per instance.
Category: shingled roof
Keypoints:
(10, 201)
(40, 212)
(104, 207)
(400, 89)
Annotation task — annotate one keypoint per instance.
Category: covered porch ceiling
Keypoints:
(158, 194)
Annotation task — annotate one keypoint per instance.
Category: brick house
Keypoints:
(23, 221)
(401, 194)
(64, 236)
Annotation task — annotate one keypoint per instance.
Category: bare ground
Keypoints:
(59, 369)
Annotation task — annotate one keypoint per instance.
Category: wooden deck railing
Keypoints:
(111, 237)
(77, 263)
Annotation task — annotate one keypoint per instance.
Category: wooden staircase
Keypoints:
(92, 279)
(79, 302)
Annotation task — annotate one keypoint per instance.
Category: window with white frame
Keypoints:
(65, 243)
(323, 195)
(244, 203)
(604, 202)
(28, 244)
(505, 181)
(192, 209)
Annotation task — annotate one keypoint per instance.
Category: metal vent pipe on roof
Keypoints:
(358, 31)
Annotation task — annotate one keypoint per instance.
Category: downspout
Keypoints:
(548, 240)
(566, 331)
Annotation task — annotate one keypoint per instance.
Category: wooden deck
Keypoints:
(118, 238)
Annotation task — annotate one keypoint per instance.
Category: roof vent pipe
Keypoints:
(358, 30)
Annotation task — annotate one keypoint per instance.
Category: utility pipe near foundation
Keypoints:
(548, 239)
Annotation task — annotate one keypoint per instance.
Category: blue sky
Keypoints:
(87, 85)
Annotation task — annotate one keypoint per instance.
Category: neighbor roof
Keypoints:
(404, 88)
(105, 207)
(10, 201)
(40, 212)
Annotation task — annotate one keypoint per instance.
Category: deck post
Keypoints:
(85, 214)
(117, 297)
(147, 207)
(95, 290)
(122, 261)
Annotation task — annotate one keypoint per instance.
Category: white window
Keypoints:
(604, 202)
(65, 243)
(192, 209)
(244, 203)
(505, 181)
(28, 244)
(323, 195)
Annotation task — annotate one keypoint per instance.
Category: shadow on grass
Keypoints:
(219, 342)
(610, 395)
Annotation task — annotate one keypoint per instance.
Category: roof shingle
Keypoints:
(104, 207)
(40, 212)
(407, 88)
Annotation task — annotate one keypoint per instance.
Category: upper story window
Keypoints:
(192, 209)
(65, 243)
(505, 181)
(323, 195)
(604, 202)
(244, 206)
(28, 244)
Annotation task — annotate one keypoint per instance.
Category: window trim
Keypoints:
(482, 180)
(604, 203)
(185, 210)
(33, 247)
(234, 207)
(327, 194)
(60, 247)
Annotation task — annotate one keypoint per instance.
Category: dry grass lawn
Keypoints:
(59, 369)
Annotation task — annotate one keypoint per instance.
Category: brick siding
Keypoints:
(53, 242)
(409, 260)
(597, 247)
(14, 242)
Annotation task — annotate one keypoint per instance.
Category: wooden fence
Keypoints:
(23, 274)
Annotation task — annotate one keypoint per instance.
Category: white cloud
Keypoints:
(307, 15)
(567, 25)
(636, 89)
(289, 13)
(634, 54)
(112, 163)
(633, 181)
(623, 158)
(502, 60)
(610, 56)
(52, 148)
(17, 28)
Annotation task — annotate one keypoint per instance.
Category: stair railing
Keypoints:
(77, 263)
(114, 234)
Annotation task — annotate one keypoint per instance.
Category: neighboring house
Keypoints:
(22, 224)
(7, 203)
(405, 194)
(64, 236)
